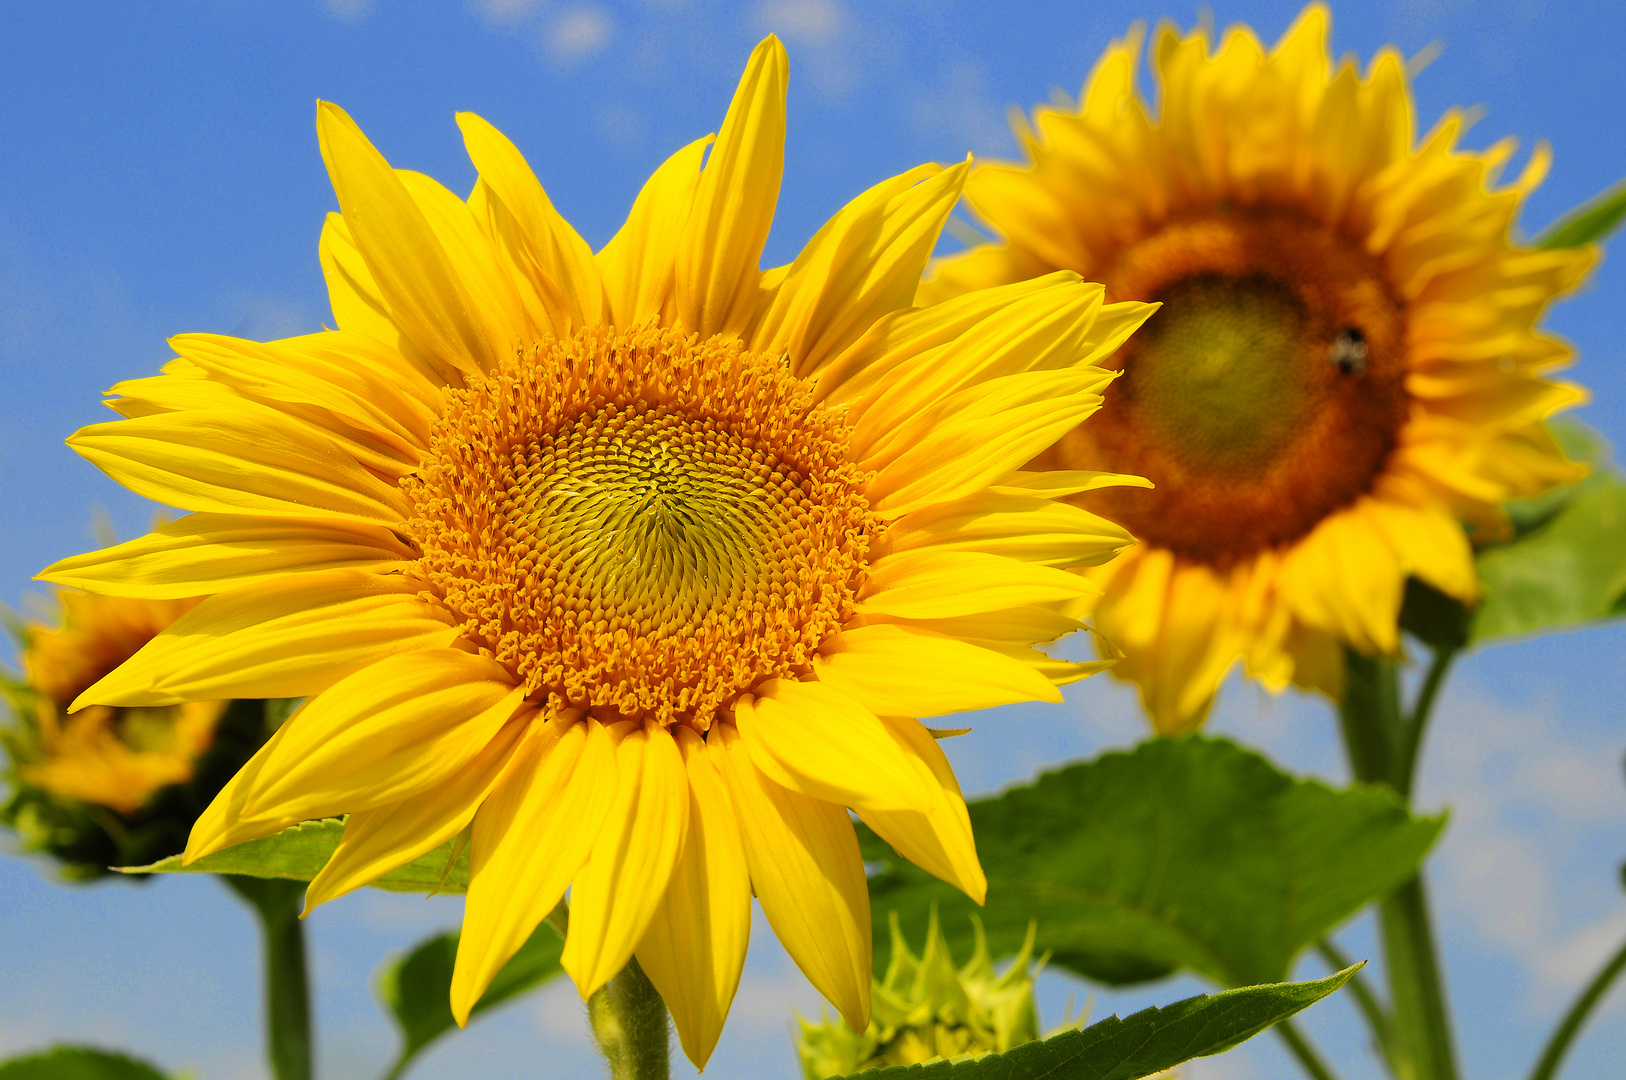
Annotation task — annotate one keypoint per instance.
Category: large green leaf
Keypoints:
(1185, 853)
(417, 987)
(1567, 570)
(1145, 1043)
(77, 1063)
(1589, 223)
(300, 851)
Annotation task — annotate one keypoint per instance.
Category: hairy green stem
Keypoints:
(287, 986)
(1378, 1020)
(1383, 745)
(632, 1027)
(1309, 1060)
(1422, 1024)
(1552, 1055)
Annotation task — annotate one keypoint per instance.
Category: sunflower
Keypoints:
(1345, 370)
(635, 567)
(110, 757)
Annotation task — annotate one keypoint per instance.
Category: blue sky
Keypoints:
(159, 174)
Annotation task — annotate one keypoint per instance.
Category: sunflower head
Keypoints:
(638, 566)
(927, 1009)
(1345, 380)
(106, 785)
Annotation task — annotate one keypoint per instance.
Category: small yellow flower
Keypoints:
(1345, 366)
(928, 1010)
(103, 755)
(637, 565)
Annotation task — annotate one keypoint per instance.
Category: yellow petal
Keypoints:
(929, 584)
(867, 368)
(638, 262)
(559, 262)
(893, 671)
(695, 946)
(716, 284)
(939, 842)
(202, 554)
(530, 838)
(358, 306)
(1059, 483)
(357, 390)
(1039, 331)
(250, 459)
(488, 280)
(220, 826)
(809, 876)
(413, 276)
(617, 892)
(863, 264)
(1031, 529)
(377, 841)
(391, 730)
(978, 436)
(813, 738)
(292, 636)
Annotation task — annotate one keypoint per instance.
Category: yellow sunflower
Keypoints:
(112, 757)
(637, 565)
(1345, 368)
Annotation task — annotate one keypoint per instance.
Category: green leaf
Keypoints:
(300, 851)
(417, 987)
(1185, 853)
(77, 1063)
(1570, 569)
(1145, 1043)
(1589, 223)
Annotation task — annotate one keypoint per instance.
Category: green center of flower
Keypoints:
(642, 524)
(662, 518)
(1265, 394)
(1217, 372)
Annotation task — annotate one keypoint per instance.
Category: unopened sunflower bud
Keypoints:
(929, 1010)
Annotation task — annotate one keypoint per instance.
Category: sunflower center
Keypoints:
(642, 524)
(1265, 394)
(1216, 375)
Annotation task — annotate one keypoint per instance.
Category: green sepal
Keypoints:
(1188, 853)
(1144, 1043)
(78, 1063)
(416, 987)
(300, 851)
(1589, 223)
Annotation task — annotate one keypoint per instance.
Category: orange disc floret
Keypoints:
(642, 524)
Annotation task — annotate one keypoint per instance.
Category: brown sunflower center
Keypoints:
(642, 524)
(1265, 394)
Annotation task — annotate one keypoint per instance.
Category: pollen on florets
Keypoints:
(641, 523)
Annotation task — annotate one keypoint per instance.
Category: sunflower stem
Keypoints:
(1383, 745)
(1552, 1055)
(287, 987)
(632, 1027)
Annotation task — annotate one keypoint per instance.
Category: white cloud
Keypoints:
(579, 34)
(1529, 799)
(962, 107)
(814, 23)
(503, 12)
(621, 125)
(821, 36)
(348, 10)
